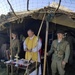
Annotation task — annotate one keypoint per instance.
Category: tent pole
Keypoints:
(11, 50)
(10, 41)
(46, 41)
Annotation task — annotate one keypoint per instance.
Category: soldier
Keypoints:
(32, 45)
(61, 51)
(15, 45)
(5, 51)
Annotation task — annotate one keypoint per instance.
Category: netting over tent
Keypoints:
(21, 5)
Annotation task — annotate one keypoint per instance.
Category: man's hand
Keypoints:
(63, 63)
(28, 50)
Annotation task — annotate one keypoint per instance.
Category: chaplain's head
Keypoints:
(30, 33)
(60, 34)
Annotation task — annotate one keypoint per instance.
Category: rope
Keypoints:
(58, 6)
(12, 8)
(27, 5)
(19, 20)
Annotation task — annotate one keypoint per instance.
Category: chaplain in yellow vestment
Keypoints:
(32, 45)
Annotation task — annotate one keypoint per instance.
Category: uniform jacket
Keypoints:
(61, 51)
(15, 47)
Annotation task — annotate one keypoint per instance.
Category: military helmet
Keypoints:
(60, 31)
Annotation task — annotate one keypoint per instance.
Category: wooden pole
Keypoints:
(11, 50)
(46, 41)
(41, 24)
(10, 41)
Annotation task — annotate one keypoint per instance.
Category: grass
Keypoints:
(3, 70)
(70, 70)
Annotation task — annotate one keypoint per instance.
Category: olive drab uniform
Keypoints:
(61, 52)
(15, 47)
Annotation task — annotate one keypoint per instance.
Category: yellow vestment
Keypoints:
(31, 43)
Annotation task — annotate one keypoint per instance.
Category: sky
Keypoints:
(21, 5)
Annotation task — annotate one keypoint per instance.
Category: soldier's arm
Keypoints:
(51, 49)
(67, 53)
